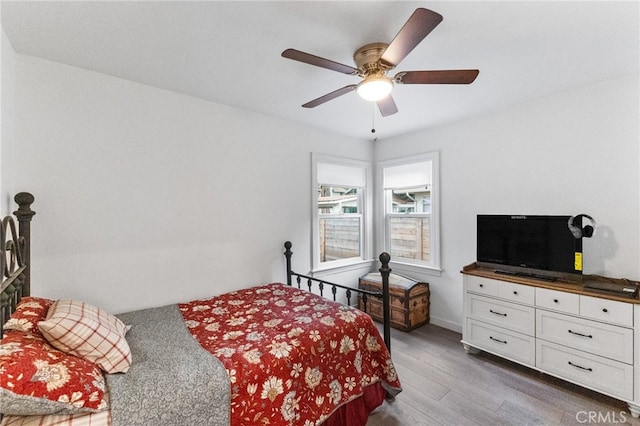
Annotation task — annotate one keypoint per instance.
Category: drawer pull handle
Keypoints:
(498, 340)
(481, 285)
(497, 313)
(580, 367)
(515, 292)
(580, 334)
(555, 300)
(605, 310)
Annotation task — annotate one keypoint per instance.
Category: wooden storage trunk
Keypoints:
(409, 300)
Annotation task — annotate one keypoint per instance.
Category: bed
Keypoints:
(273, 354)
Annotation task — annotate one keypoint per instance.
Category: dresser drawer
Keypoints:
(515, 346)
(601, 374)
(482, 285)
(607, 310)
(558, 300)
(606, 340)
(516, 292)
(511, 316)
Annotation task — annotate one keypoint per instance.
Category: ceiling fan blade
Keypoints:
(308, 58)
(436, 77)
(387, 106)
(322, 99)
(417, 27)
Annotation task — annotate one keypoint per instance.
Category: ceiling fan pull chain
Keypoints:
(373, 118)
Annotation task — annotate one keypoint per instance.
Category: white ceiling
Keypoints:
(229, 52)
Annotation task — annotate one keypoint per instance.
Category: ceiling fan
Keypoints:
(374, 60)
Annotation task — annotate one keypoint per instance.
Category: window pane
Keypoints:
(410, 238)
(339, 222)
(337, 200)
(339, 238)
(415, 200)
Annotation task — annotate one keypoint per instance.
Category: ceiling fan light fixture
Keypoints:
(374, 88)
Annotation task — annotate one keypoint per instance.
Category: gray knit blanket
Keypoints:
(172, 380)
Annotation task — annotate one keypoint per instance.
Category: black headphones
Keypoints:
(578, 232)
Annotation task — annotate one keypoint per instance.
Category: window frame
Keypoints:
(385, 209)
(365, 203)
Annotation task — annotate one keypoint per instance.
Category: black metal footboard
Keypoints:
(15, 256)
(333, 288)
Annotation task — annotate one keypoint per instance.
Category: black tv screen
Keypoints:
(537, 242)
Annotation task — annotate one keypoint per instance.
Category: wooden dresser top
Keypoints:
(559, 284)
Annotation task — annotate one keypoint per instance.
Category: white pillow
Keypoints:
(88, 332)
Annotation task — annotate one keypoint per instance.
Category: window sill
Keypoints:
(336, 269)
(413, 268)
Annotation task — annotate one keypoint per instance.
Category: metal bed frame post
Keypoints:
(385, 271)
(24, 215)
(287, 254)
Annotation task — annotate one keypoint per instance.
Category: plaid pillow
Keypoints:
(78, 419)
(36, 379)
(29, 312)
(88, 332)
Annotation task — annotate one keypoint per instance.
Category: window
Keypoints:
(340, 224)
(410, 194)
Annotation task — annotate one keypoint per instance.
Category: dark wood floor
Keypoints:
(442, 385)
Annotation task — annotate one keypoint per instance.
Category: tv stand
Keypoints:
(526, 274)
(560, 328)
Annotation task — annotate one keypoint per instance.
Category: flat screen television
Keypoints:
(544, 243)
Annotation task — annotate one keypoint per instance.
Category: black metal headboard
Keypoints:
(384, 295)
(15, 256)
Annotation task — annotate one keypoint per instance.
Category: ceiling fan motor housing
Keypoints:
(367, 59)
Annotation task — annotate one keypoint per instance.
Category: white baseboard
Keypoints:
(446, 324)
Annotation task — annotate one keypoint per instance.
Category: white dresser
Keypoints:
(556, 328)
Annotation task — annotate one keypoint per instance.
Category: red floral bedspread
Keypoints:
(292, 357)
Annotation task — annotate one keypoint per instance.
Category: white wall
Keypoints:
(7, 140)
(146, 197)
(575, 152)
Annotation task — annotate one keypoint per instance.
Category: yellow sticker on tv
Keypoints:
(578, 261)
